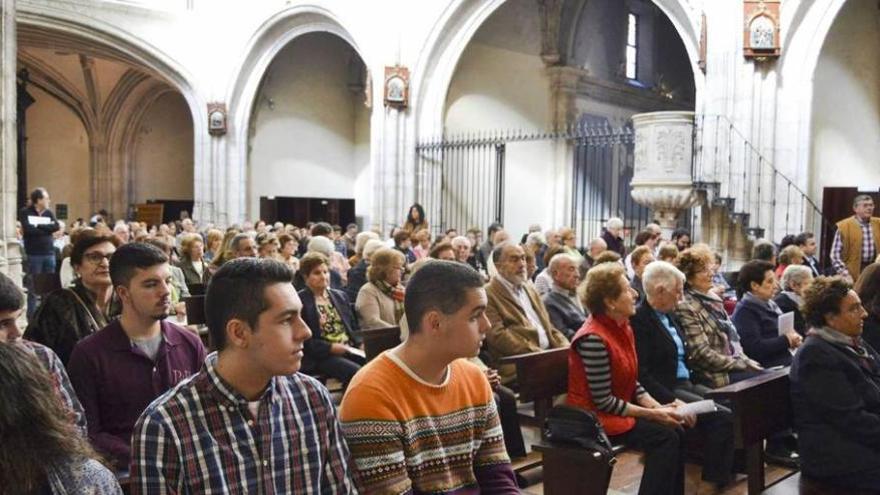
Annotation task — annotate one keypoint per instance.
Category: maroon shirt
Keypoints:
(116, 381)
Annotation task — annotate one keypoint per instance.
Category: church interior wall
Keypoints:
(308, 136)
(846, 102)
(163, 152)
(58, 153)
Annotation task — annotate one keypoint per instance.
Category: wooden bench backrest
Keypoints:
(195, 310)
(541, 375)
(762, 404)
(379, 340)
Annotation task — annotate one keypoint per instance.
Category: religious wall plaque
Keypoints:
(217, 119)
(397, 87)
(761, 30)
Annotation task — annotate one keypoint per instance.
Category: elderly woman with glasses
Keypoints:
(835, 391)
(68, 315)
(380, 301)
(714, 351)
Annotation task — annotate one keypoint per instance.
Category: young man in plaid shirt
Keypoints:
(247, 423)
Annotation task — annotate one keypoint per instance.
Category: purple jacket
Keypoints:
(116, 381)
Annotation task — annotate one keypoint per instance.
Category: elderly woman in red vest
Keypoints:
(603, 377)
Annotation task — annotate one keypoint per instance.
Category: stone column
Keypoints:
(10, 248)
(662, 180)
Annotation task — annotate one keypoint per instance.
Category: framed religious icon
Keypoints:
(217, 119)
(761, 30)
(397, 87)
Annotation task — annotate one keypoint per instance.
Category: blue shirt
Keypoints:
(682, 372)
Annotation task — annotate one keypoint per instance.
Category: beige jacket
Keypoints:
(512, 333)
(374, 308)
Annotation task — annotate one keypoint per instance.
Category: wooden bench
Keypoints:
(761, 407)
(541, 377)
(379, 340)
(195, 310)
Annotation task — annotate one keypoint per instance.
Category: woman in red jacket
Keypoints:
(603, 377)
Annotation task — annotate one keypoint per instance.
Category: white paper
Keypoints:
(786, 323)
(357, 352)
(38, 220)
(699, 407)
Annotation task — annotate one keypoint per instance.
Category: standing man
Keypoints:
(118, 371)
(856, 240)
(38, 224)
(247, 422)
(419, 418)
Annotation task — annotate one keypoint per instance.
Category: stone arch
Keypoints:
(264, 45)
(138, 52)
(457, 25)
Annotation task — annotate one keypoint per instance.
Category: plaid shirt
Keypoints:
(52, 364)
(200, 438)
(868, 253)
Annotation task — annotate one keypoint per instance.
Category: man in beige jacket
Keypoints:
(520, 323)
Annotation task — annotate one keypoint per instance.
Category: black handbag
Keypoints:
(570, 425)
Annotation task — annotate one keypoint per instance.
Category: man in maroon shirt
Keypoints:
(119, 370)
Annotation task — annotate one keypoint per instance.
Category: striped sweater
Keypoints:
(409, 436)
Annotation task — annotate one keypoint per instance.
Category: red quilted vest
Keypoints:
(624, 370)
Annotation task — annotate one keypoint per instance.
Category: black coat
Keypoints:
(357, 277)
(836, 404)
(316, 348)
(758, 329)
(786, 304)
(658, 356)
(614, 243)
(871, 331)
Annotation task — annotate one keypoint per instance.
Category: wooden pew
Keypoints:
(379, 340)
(195, 310)
(761, 407)
(541, 377)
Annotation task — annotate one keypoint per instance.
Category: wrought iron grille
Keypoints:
(460, 179)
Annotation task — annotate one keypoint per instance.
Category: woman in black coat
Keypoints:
(756, 317)
(334, 349)
(795, 279)
(835, 391)
(868, 289)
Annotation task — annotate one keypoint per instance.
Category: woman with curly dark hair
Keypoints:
(40, 449)
(868, 289)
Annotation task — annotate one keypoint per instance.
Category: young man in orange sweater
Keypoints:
(419, 418)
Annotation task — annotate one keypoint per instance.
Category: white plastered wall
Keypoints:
(846, 103)
(58, 153)
(310, 132)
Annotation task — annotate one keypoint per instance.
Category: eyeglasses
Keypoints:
(97, 257)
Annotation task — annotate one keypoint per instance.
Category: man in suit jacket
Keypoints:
(661, 347)
(520, 323)
(565, 310)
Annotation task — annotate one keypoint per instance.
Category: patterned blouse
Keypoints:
(332, 327)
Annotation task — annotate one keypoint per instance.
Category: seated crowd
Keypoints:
(105, 381)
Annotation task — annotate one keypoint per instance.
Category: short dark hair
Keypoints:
(401, 236)
(753, 271)
(86, 240)
(438, 285)
(351, 226)
(38, 194)
(823, 297)
(677, 233)
(11, 296)
(493, 227)
(763, 251)
(237, 291)
(439, 248)
(786, 241)
(802, 238)
(131, 257)
(321, 229)
(159, 244)
(643, 237)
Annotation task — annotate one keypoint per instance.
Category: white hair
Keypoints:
(614, 223)
(660, 274)
(321, 244)
(795, 274)
(598, 240)
(536, 238)
(557, 259)
(460, 241)
(360, 240)
(371, 247)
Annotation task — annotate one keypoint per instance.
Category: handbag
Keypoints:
(571, 425)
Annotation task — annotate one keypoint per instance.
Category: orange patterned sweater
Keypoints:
(409, 436)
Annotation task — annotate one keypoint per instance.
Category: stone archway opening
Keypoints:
(309, 134)
(104, 131)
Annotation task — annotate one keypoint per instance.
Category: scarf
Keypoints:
(851, 344)
(396, 294)
(715, 307)
(771, 305)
